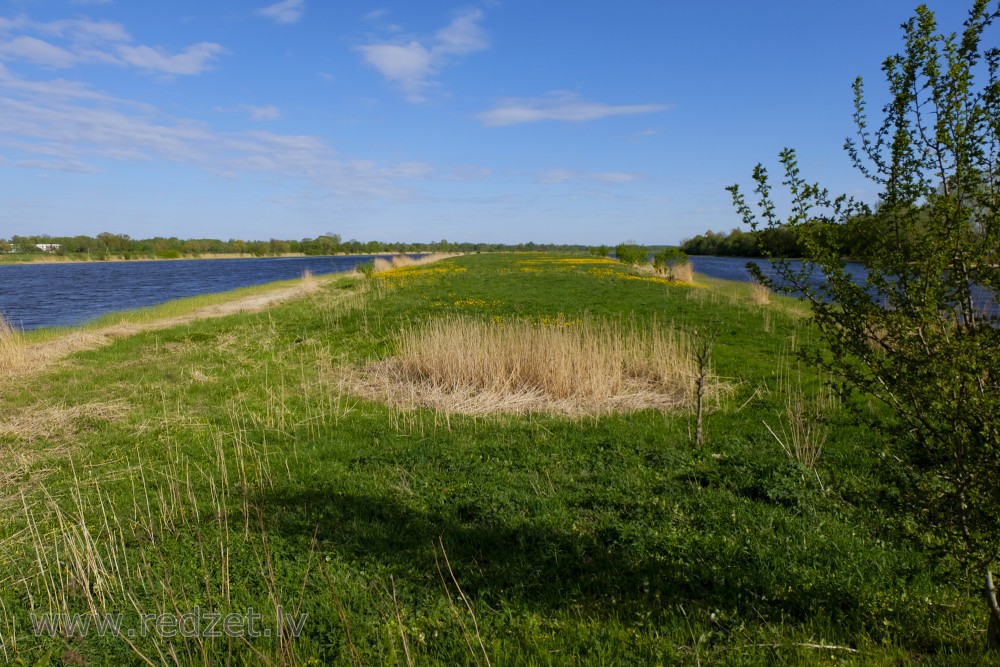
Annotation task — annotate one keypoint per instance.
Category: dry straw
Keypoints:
(582, 367)
(13, 353)
(309, 282)
(683, 273)
(760, 295)
(398, 261)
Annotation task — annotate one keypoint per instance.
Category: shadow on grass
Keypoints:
(603, 573)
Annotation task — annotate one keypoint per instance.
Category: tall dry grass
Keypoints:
(802, 427)
(760, 295)
(585, 367)
(801, 432)
(13, 350)
(309, 282)
(683, 273)
(398, 261)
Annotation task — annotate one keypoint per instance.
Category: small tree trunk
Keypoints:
(699, 435)
(993, 631)
(702, 343)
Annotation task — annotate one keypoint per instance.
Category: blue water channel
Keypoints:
(51, 295)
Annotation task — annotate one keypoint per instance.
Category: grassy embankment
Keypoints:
(230, 463)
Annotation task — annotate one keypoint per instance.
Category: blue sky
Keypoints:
(568, 121)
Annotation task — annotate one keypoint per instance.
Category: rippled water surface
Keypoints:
(48, 295)
(735, 268)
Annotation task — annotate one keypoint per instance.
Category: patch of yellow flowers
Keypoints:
(559, 321)
(405, 275)
(622, 275)
(477, 303)
(564, 263)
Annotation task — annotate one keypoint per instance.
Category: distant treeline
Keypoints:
(853, 238)
(738, 243)
(121, 245)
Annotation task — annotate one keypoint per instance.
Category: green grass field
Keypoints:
(227, 465)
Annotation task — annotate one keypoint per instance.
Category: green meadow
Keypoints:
(232, 469)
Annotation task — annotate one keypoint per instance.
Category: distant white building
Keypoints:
(48, 247)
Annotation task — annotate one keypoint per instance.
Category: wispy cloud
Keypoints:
(412, 65)
(559, 106)
(192, 60)
(37, 52)
(68, 43)
(263, 113)
(572, 175)
(73, 166)
(60, 125)
(285, 12)
(376, 14)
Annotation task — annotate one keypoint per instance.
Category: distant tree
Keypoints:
(600, 251)
(667, 259)
(631, 253)
(921, 333)
(114, 243)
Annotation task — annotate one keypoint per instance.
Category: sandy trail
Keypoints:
(46, 353)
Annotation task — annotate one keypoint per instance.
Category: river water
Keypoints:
(50, 295)
(735, 268)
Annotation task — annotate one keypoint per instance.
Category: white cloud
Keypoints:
(84, 30)
(195, 59)
(375, 14)
(73, 166)
(406, 65)
(606, 177)
(462, 36)
(263, 113)
(285, 12)
(74, 42)
(411, 65)
(37, 51)
(561, 106)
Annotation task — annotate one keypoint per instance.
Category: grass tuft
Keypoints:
(12, 348)
(309, 282)
(760, 295)
(683, 273)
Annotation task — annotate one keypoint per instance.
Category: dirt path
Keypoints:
(45, 353)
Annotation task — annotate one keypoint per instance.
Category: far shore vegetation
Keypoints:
(107, 246)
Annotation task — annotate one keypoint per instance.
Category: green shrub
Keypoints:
(668, 258)
(631, 253)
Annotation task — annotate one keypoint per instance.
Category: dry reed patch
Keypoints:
(309, 282)
(13, 353)
(760, 295)
(381, 265)
(474, 366)
(683, 273)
